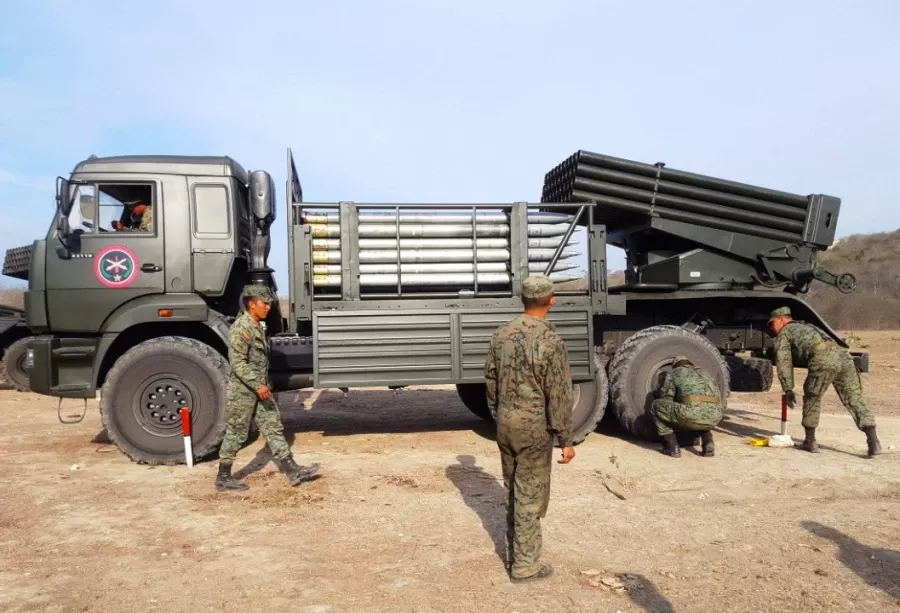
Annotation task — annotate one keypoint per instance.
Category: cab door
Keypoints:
(118, 261)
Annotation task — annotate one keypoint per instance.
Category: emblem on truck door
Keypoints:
(116, 266)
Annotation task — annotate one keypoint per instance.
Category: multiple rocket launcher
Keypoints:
(436, 249)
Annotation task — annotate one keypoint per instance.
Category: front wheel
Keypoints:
(145, 390)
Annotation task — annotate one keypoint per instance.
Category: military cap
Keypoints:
(260, 292)
(537, 286)
(779, 312)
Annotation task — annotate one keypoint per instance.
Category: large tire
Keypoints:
(750, 374)
(143, 421)
(12, 366)
(587, 410)
(639, 366)
(473, 396)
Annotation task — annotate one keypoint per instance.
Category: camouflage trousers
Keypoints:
(834, 367)
(670, 416)
(244, 405)
(526, 457)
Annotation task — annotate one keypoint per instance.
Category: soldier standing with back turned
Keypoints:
(827, 363)
(249, 394)
(529, 389)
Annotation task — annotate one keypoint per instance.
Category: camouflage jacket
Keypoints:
(144, 225)
(795, 345)
(527, 372)
(248, 352)
(686, 381)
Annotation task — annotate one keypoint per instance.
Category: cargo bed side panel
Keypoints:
(438, 346)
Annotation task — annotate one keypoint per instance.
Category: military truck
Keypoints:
(14, 336)
(395, 295)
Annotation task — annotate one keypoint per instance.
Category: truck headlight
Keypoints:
(29, 359)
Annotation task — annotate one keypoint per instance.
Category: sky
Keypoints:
(454, 101)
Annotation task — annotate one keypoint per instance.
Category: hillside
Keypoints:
(874, 259)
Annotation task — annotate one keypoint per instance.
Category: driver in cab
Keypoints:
(140, 214)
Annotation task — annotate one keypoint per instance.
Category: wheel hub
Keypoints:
(160, 404)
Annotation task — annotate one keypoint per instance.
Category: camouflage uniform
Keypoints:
(248, 354)
(827, 363)
(529, 389)
(689, 399)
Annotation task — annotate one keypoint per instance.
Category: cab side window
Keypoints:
(107, 207)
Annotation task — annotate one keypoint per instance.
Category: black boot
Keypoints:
(810, 443)
(872, 440)
(670, 445)
(709, 449)
(296, 474)
(224, 480)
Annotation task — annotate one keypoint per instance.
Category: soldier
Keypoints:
(141, 215)
(689, 399)
(249, 392)
(529, 390)
(802, 344)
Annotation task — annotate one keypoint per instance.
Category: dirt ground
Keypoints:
(408, 515)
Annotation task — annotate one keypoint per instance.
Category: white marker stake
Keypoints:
(186, 430)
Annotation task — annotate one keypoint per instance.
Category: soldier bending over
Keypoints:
(689, 399)
(802, 344)
(529, 389)
(249, 393)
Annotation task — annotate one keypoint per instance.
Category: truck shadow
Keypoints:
(379, 412)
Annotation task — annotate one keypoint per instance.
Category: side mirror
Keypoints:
(64, 199)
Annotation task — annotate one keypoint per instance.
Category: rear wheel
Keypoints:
(12, 367)
(749, 374)
(588, 407)
(640, 365)
(145, 390)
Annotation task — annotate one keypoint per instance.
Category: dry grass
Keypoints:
(12, 296)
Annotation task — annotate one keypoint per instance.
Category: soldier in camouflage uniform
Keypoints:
(689, 399)
(802, 344)
(141, 216)
(249, 393)
(529, 389)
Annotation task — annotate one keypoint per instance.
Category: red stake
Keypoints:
(784, 409)
(186, 431)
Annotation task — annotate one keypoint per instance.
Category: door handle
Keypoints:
(150, 267)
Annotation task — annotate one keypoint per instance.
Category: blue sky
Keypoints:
(456, 101)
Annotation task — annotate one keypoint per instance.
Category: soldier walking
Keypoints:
(802, 344)
(249, 394)
(689, 399)
(529, 389)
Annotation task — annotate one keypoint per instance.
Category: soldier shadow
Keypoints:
(485, 495)
(646, 595)
(379, 412)
(878, 567)
(262, 457)
(736, 429)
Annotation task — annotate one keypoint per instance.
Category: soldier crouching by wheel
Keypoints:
(827, 364)
(689, 399)
(249, 394)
